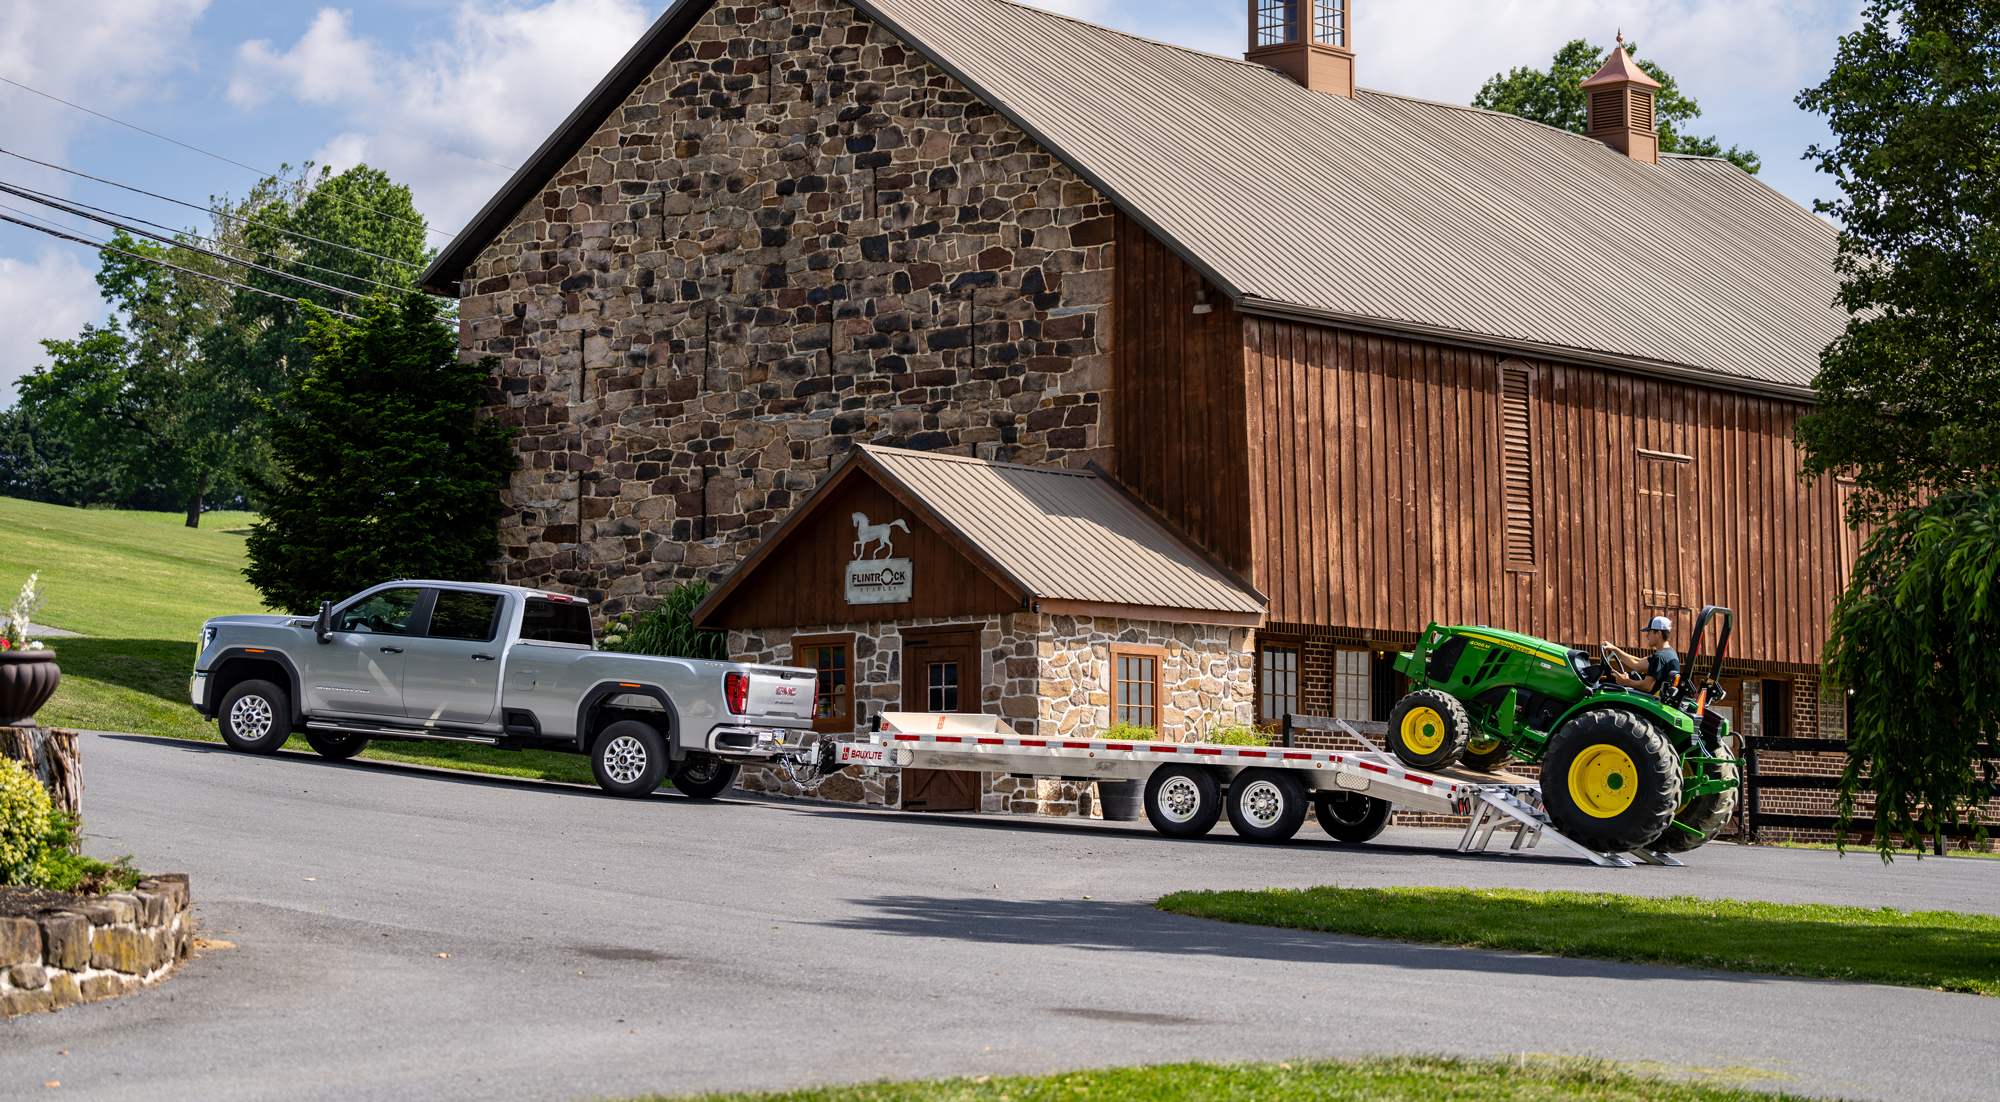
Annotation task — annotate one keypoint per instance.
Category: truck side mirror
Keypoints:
(323, 630)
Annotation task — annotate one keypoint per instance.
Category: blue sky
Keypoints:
(443, 93)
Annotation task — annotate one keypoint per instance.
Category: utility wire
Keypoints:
(155, 260)
(67, 209)
(46, 200)
(206, 153)
(211, 210)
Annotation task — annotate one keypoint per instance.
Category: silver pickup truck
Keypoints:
(500, 666)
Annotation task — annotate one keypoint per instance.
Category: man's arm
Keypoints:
(1636, 680)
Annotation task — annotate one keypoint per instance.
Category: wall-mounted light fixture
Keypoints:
(1202, 305)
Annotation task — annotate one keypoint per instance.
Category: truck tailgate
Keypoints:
(781, 692)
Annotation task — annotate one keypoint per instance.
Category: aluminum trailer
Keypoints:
(1189, 785)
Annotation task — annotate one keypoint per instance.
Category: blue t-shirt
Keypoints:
(1662, 668)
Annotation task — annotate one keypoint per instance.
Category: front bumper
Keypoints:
(198, 692)
(757, 743)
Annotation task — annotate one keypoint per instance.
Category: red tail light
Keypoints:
(736, 687)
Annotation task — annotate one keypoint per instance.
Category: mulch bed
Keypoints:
(19, 902)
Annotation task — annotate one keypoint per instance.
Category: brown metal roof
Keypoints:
(1065, 535)
(1380, 210)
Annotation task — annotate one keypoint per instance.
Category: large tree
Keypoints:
(384, 467)
(1555, 97)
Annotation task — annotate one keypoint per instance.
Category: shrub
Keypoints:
(1237, 733)
(667, 628)
(25, 820)
(66, 870)
(1126, 732)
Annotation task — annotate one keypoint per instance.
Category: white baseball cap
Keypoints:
(1659, 623)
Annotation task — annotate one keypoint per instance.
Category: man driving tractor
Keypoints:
(1663, 666)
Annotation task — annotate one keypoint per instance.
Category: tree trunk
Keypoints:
(194, 503)
(50, 755)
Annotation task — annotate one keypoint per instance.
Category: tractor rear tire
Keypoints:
(1611, 781)
(1485, 760)
(1700, 819)
(1350, 816)
(1428, 729)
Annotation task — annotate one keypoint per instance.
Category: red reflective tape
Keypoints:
(1298, 757)
(1371, 765)
(1419, 780)
(992, 742)
(1252, 754)
(1034, 742)
(1117, 746)
(1157, 749)
(909, 738)
(1076, 746)
(948, 738)
(1206, 750)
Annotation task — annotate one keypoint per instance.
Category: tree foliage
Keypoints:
(1916, 636)
(383, 468)
(1908, 397)
(1556, 97)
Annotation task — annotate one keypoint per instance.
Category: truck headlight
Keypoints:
(207, 637)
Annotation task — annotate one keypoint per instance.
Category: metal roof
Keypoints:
(1064, 535)
(1380, 210)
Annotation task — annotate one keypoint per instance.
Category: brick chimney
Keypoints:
(1312, 41)
(1621, 106)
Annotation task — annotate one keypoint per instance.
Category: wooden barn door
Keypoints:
(940, 674)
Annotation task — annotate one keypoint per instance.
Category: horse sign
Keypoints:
(877, 534)
(877, 580)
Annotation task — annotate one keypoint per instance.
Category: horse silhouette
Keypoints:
(878, 534)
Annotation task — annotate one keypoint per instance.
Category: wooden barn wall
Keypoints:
(1177, 397)
(1376, 497)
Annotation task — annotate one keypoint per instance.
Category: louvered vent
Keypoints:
(1642, 109)
(1607, 109)
(1517, 467)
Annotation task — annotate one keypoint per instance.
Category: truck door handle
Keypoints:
(392, 650)
(482, 658)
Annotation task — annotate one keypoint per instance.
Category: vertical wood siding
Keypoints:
(1377, 492)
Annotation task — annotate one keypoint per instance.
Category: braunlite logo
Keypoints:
(877, 580)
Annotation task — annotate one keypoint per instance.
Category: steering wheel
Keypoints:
(1612, 662)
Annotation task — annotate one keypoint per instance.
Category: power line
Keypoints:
(212, 210)
(155, 260)
(46, 200)
(206, 153)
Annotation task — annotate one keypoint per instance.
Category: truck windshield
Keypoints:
(545, 621)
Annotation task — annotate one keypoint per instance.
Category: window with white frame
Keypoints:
(1352, 698)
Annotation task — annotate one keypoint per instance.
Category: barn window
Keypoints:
(1278, 683)
(831, 657)
(1517, 466)
(1136, 678)
(1352, 698)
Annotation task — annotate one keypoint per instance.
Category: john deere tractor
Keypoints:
(1620, 769)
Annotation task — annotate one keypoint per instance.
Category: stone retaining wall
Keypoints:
(95, 949)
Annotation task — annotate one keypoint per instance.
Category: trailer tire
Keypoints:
(629, 758)
(1183, 801)
(1350, 816)
(1699, 820)
(1428, 729)
(1611, 781)
(255, 717)
(704, 777)
(1266, 805)
(336, 747)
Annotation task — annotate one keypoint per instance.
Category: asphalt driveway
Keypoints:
(404, 933)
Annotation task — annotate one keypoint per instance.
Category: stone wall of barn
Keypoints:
(794, 236)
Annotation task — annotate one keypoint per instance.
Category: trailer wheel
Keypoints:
(256, 717)
(629, 759)
(1266, 805)
(334, 747)
(1183, 801)
(1699, 820)
(1611, 781)
(1428, 729)
(1350, 816)
(704, 777)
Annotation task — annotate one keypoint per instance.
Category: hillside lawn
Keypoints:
(138, 586)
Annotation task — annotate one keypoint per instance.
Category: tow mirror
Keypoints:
(323, 629)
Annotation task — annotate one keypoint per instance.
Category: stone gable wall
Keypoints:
(794, 236)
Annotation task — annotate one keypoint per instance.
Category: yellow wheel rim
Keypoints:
(1487, 746)
(1603, 781)
(1423, 730)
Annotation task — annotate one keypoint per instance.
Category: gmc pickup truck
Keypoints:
(499, 666)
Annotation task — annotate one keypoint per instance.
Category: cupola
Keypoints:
(1621, 106)
(1312, 41)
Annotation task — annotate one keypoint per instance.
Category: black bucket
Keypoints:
(1122, 801)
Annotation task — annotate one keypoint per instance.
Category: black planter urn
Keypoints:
(28, 678)
(1122, 801)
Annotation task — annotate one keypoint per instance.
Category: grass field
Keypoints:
(1393, 1079)
(138, 586)
(1944, 950)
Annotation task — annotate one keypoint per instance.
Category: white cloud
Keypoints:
(50, 296)
(501, 78)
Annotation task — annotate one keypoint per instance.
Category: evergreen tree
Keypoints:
(384, 469)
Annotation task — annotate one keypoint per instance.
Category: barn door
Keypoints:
(940, 674)
(1664, 540)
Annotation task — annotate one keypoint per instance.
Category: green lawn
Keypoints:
(138, 585)
(1944, 950)
(1392, 1079)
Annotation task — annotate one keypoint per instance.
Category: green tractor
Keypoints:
(1621, 769)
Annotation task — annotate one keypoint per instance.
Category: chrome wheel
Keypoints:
(624, 759)
(1179, 800)
(250, 717)
(1263, 803)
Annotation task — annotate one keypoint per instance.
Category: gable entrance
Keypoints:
(940, 674)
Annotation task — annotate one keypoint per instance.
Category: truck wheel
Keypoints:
(1183, 801)
(256, 717)
(1266, 805)
(1700, 819)
(1428, 729)
(629, 759)
(704, 777)
(334, 747)
(1350, 816)
(1484, 756)
(1611, 781)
